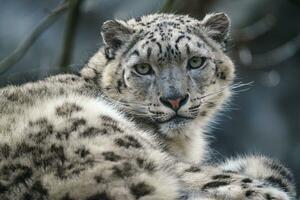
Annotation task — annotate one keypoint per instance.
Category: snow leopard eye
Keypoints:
(196, 62)
(143, 69)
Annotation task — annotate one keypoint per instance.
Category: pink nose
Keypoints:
(174, 103)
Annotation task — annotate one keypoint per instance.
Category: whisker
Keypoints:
(232, 87)
(213, 94)
(235, 88)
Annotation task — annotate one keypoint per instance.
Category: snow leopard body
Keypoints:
(109, 133)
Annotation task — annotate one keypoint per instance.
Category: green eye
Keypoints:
(196, 62)
(143, 69)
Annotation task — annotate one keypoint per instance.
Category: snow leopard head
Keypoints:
(165, 70)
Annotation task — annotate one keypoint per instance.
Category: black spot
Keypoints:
(91, 132)
(179, 38)
(247, 180)
(211, 104)
(27, 196)
(99, 179)
(184, 195)
(249, 193)
(123, 170)
(146, 164)
(58, 151)
(127, 142)
(282, 170)
(44, 161)
(24, 148)
(6, 169)
(141, 189)
(111, 123)
(159, 47)
(39, 188)
(67, 197)
(22, 174)
(99, 196)
(188, 30)
(203, 113)
(107, 118)
(13, 96)
(268, 196)
(188, 49)
(3, 188)
(82, 152)
(41, 122)
(230, 171)
(222, 76)
(149, 51)
(61, 172)
(44, 130)
(103, 131)
(193, 169)
(5, 150)
(64, 134)
(199, 45)
(111, 156)
(135, 52)
(176, 47)
(194, 107)
(221, 176)
(67, 109)
(76, 123)
(277, 182)
(113, 126)
(214, 184)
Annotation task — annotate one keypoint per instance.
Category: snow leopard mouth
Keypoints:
(177, 119)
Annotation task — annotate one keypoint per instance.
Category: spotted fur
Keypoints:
(107, 135)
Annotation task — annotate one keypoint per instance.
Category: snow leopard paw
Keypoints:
(230, 187)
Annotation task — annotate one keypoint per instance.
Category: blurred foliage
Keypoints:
(167, 7)
(296, 2)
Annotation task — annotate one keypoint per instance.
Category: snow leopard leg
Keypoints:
(250, 178)
(266, 176)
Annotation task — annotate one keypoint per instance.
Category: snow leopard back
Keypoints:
(68, 145)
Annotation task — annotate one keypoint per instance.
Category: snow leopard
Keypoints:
(131, 125)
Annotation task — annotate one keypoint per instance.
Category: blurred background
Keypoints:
(39, 38)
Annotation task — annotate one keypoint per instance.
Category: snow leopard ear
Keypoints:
(115, 34)
(217, 26)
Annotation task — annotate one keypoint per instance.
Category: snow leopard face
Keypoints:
(169, 70)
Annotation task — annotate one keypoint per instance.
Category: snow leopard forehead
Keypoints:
(166, 37)
(162, 23)
(170, 35)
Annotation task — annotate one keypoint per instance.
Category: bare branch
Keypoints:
(20, 51)
(276, 56)
(167, 7)
(70, 33)
(255, 30)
